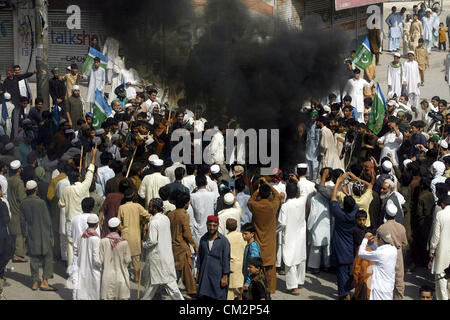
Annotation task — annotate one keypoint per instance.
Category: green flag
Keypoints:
(376, 116)
(101, 110)
(363, 57)
(89, 62)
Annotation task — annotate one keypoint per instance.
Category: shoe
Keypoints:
(315, 271)
(35, 286)
(49, 288)
(300, 286)
(294, 292)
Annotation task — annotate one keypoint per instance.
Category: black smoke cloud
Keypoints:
(260, 72)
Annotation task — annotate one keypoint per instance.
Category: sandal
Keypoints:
(49, 288)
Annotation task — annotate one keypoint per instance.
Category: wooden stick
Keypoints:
(81, 158)
(131, 162)
(168, 122)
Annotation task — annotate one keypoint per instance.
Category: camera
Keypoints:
(436, 116)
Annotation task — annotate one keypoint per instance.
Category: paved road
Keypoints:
(317, 287)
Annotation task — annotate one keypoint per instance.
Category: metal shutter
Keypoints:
(6, 41)
(291, 12)
(71, 46)
(323, 8)
(345, 20)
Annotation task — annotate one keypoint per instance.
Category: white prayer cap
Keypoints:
(428, 10)
(158, 163)
(152, 158)
(69, 68)
(113, 222)
(389, 182)
(128, 105)
(406, 162)
(228, 199)
(391, 209)
(302, 166)
(443, 144)
(75, 87)
(392, 103)
(397, 55)
(31, 185)
(15, 164)
(99, 132)
(387, 165)
(438, 167)
(9, 146)
(68, 131)
(326, 109)
(93, 218)
(149, 141)
(7, 96)
(215, 169)
(411, 52)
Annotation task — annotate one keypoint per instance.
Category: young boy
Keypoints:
(257, 289)
(89, 118)
(423, 59)
(426, 292)
(361, 272)
(442, 37)
(252, 250)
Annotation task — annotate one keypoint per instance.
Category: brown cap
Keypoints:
(238, 170)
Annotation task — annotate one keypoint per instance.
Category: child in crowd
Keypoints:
(442, 37)
(252, 250)
(257, 289)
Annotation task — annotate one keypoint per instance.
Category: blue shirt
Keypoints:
(342, 239)
(213, 264)
(252, 250)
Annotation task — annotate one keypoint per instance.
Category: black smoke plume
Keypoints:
(261, 72)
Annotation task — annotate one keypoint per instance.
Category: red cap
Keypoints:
(213, 219)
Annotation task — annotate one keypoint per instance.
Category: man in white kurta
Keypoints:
(117, 78)
(428, 25)
(395, 31)
(391, 142)
(77, 228)
(7, 123)
(97, 80)
(151, 183)
(115, 255)
(110, 50)
(131, 79)
(440, 249)
(436, 22)
(71, 199)
(384, 257)
(447, 70)
(60, 186)
(395, 70)
(318, 225)
(312, 146)
(328, 149)
(411, 79)
(355, 89)
(203, 203)
(232, 211)
(88, 274)
(306, 187)
(292, 221)
(159, 269)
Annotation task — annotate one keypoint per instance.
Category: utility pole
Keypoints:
(41, 36)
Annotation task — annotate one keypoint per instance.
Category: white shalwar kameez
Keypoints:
(281, 188)
(391, 144)
(8, 122)
(436, 22)
(159, 268)
(97, 79)
(447, 69)
(130, 76)
(117, 78)
(395, 79)
(292, 222)
(60, 186)
(395, 32)
(412, 78)
(319, 226)
(110, 50)
(203, 204)
(355, 89)
(150, 186)
(383, 277)
(427, 24)
(88, 277)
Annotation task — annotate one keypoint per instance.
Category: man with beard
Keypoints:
(57, 88)
(74, 107)
(213, 263)
(388, 196)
